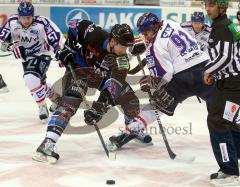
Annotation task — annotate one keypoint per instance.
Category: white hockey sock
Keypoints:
(53, 136)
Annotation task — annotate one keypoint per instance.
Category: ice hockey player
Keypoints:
(198, 29)
(176, 67)
(3, 85)
(224, 68)
(29, 37)
(101, 62)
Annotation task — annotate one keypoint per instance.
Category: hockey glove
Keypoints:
(138, 48)
(19, 52)
(65, 55)
(95, 113)
(148, 82)
(161, 99)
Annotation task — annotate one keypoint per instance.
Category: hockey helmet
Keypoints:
(25, 9)
(146, 22)
(220, 3)
(197, 17)
(123, 34)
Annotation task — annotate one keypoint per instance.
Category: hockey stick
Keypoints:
(110, 155)
(171, 154)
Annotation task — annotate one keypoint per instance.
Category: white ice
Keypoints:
(83, 162)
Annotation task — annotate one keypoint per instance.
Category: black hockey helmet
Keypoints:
(123, 34)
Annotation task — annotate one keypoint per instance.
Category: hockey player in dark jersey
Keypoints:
(223, 112)
(100, 62)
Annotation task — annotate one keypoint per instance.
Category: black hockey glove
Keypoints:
(138, 47)
(95, 113)
(19, 52)
(161, 99)
(148, 82)
(65, 55)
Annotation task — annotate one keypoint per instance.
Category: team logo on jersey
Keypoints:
(34, 31)
(150, 61)
(167, 32)
(77, 13)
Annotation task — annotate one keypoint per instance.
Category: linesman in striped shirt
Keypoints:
(223, 117)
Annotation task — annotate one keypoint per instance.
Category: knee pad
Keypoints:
(69, 105)
(75, 91)
(60, 118)
(32, 81)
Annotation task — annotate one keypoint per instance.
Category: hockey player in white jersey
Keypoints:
(176, 66)
(32, 39)
(198, 29)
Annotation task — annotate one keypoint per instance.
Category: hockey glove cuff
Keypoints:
(95, 113)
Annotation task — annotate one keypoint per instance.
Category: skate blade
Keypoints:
(112, 155)
(111, 147)
(142, 144)
(39, 157)
(4, 90)
(223, 182)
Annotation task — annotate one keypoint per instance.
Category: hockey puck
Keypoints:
(110, 182)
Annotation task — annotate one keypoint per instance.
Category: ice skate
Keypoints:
(220, 179)
(143, 138)
(117, 141)
(46, 152)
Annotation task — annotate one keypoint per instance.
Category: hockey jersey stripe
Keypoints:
(223, 58)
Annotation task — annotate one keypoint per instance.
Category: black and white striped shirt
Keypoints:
(223, 51)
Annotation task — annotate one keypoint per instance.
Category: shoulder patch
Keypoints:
(167, 32)
(235, 30)
(122, 63)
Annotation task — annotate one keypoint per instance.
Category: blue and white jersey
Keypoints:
(201, 37)
(40, 38)
(173, 50)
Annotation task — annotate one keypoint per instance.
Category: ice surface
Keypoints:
(83, 162)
